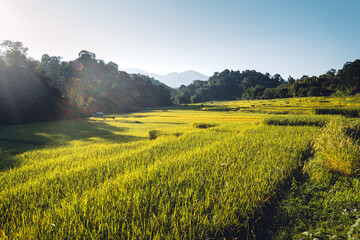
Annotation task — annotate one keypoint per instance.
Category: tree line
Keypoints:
(236, 85)
(51, 89)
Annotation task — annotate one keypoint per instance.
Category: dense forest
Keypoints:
(52, 89)
(232, 85)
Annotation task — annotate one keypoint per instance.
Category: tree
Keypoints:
(14, 53)
(331, 74)
(86, 56)
(27, 93)
(269, 93)
(37, 91)
(112, 66)
(291, 80)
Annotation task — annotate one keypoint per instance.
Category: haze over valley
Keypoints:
(174, 79)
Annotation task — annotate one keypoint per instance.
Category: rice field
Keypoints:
(207, 173)
(305, 105)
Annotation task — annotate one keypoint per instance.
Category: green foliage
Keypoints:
(325, 204)
(153, 134)
(26, 94)
(32, 91)
(203, 125)
(326, 209)
(349, 77)
(231, 85)
(354, 232)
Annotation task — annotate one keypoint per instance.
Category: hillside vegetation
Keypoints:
(51, 89)
(250, 84)
(213, 170)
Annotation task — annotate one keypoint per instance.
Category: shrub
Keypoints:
(203, 125)
(177, 134)
(153, 134)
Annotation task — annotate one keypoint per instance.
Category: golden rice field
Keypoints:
(285, 106)
(104, 178)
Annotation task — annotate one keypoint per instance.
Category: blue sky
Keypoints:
(289, 37)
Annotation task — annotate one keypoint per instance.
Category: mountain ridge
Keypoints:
(173, 79)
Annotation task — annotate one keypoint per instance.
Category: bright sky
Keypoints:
(289, 37)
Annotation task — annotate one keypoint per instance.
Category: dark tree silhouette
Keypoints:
(51, 89)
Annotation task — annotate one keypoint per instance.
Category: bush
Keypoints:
(203, 125)
(153, 134)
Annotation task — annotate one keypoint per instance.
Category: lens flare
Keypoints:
(77, 65)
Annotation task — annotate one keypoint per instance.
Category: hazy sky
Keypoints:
(290, 37)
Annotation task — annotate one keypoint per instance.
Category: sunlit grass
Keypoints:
(111, 190)
(281, 106)
(99, 178)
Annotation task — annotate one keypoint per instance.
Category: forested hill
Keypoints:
(51, 89)
(231, 85)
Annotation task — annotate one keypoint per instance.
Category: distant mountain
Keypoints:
(174, 79)
(134, 70)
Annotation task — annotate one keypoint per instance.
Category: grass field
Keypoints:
(211, 171)
(284, 106)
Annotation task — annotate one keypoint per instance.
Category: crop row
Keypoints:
(205, 183)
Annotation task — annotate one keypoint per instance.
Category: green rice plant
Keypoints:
(202, 184)
(105, 179)
(296, 120)
(348, 112)
(337, 148)
(354, 232)
(326, 209)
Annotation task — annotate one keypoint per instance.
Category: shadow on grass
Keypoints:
(136, 116)
(207, 107)
(192, 107)
(7, 160)
(127, 121)
(21, 138)
(169, 123)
